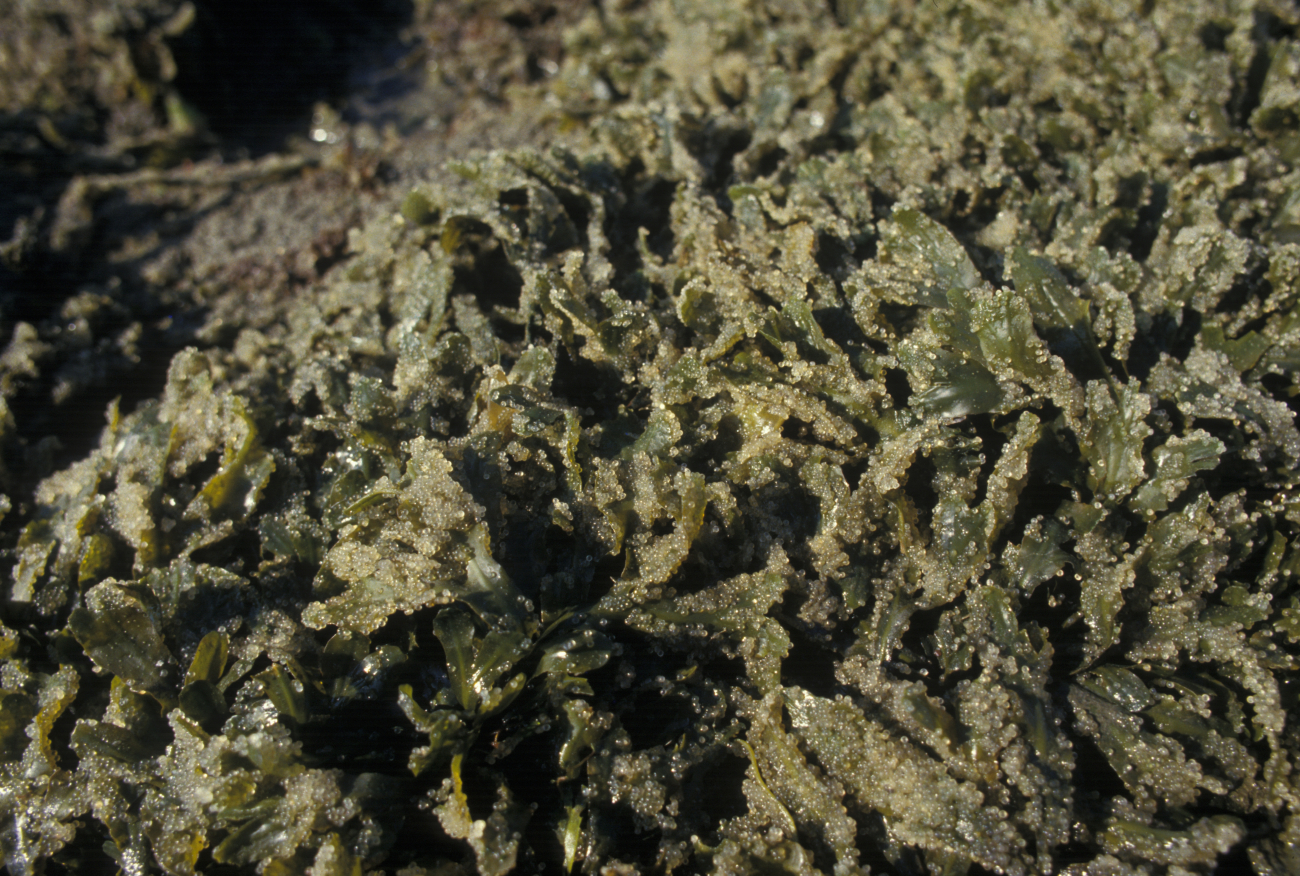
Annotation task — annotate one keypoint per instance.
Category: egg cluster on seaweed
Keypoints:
(864, 441)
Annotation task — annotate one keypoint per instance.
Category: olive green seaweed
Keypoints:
(860, 438)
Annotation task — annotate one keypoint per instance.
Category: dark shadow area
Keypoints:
(84, 856)
(1149, 217)
(77, 424)
(582, 383)
(721, 794)
(1247, 90)
(1167, 334)
(919, 487)
(836, 258)
(482, 268)
(254, 69)
(1095, 779)
(809, 664)
(898, 387)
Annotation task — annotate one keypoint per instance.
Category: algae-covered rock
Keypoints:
(831, 438)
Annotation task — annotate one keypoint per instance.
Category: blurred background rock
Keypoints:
(169, 169)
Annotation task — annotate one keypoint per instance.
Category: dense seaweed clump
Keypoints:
(864, 441)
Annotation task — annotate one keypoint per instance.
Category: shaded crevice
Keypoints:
(254, 69)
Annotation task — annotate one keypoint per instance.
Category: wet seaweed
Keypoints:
(823, 457)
